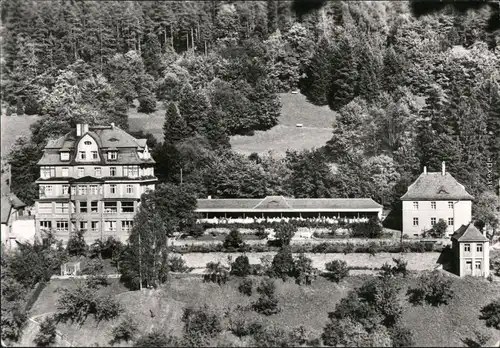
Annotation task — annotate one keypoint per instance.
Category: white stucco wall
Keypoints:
(23, 230)
(461, 214)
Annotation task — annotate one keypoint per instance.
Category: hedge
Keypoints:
(321, 248)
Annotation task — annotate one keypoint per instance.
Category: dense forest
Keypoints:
(409, 92)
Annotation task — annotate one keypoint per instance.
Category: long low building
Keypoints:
(279, 207)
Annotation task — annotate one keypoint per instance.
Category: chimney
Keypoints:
(443, 168)
(85, 128)
(112, 125)
(425, 169)
(78, 130)
(209, 197)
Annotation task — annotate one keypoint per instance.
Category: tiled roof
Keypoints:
(469, 233)
(287, 204)
(9, 202)
(106, 137)
(435, 186)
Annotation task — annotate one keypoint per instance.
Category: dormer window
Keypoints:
(112, 155)
(64, 156)
(88, 142)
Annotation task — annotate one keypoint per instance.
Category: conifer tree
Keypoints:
(194, 107)
(343, 75)
(392, 71)
(152, 55)
(174, 128)
(317, 80)
(368, 70)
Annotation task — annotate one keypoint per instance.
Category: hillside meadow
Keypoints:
(444, 326)
(316, 120)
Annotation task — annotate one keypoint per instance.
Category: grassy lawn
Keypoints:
(301, 305)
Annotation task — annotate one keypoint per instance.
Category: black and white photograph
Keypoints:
(250, 173)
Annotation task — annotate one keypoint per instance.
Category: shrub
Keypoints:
(147, 104)
(284, 232)
(243, 327)
(399, 269)
(303, 271)
(95, 270)
(267, 303)
(177, 264)
(439, 229)
(78, 303)
(76, 244)
(233, 240)
(126, 330)
(401, 337)
(246, 286)
(47, 333)
(196, 231)
(240, 267)
(345, 333)
(337, 270)
(303, 336)
(432, 288)
(261, 232)
(283, 265)
(201, 323)
(371, 229)
(155, 339)
(491, 314)
(216, 273)
(272, 336)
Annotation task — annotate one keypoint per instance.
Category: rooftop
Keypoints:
(281, 203)
(8, 202)
(468, 233)
(436, 186)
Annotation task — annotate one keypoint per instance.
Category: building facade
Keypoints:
(91, 179)
(434, 196)
(471, 252)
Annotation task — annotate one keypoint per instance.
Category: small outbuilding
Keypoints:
(471, 252)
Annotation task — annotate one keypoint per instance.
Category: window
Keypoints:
(83, 207)
(415, 205)
(112, 171)
(433, 205)
(110, 225)
(112, 188)
(62, 208)
(415, 221)
(94, 208)
(450, 205)
(467, 248)
(65, 172)
(127, 225)
(93, 190)
(131, 171)
(65, 189)
(433, 221)
(111, 207)
(45, 208)
(477, 265)
(82, 190)
(450, 221)
(48, 172)
(88, 143)
(82, 155)
(62, 226)
(81, 171)
(479, 248)
(127, 207)
(83, 225)
(112, 155)
(130, 188)
(46, 225)
(64, 156)
(94, 225)
(97, 172)
(45, 190)
(94, 155)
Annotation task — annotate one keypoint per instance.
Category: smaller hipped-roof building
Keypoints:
(11, 205)
(471, 252)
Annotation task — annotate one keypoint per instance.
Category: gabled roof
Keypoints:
(280, 203)
(468, 233)
(8, 202)
(106, 137)
(436, 186)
